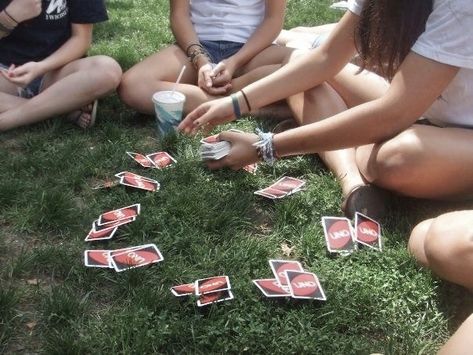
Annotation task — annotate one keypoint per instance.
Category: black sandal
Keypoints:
(368, 200)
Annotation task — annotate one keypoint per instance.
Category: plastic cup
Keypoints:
(168, 106)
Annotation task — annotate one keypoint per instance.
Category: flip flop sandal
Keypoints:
(75, 116)
(368, 200)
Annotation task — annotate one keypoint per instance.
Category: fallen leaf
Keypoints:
(33, 281)
(31, 325)
(286, 249)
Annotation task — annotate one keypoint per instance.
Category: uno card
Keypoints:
(139, 183)
(136, 257)
(161, 160)
(305, 285)
(100, 235)
(288, 184)
(338, 235)
(271, 193)
(367, 231)
(271, 288)
(212, 284)
(280, 266)
(119, 214)
(210, 140)
(141, 159)
(122, 250)
(97, 258)
(129, 174)
(251, 168)
(106, 227)
(183, 290)
(214, 297)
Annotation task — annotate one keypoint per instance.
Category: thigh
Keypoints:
(271, 55)
(357, 88)
(7, 87)
(164, 65)
(423, 161)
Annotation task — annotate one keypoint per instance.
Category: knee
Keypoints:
(416, 244)
(391, 164)
(107, 73)
(448, 244)
(129, 87)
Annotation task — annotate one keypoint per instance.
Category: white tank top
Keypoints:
(226, 20)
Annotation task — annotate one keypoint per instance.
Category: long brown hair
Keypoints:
(387, 31)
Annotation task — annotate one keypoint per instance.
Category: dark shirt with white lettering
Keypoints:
(38, 38)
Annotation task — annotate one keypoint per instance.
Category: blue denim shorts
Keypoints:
(32, 89)
(220, 50)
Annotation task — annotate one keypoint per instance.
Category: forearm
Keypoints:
(372, 122)
(76, 47)
(262, 38)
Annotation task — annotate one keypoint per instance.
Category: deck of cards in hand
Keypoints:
(107, 224)
(210, 290)
(291, 281)
(214, 149)
(283, 187)
(342, 238)
(125, 258)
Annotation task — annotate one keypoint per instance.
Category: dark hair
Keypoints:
(387, 31)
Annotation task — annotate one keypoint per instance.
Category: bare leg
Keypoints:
(69, 88)
(159, 72)
(445, 245)
(423, 162)
(461, 343)
(8, 96)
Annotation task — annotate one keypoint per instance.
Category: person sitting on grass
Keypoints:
(235, 34)
(44, 68)
(411, 134)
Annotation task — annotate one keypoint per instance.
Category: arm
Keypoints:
(17, 12)
(299, 75)
(418, 83)
(75, 47)
(262, 38)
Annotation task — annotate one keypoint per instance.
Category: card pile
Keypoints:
(213, 149)
(342, 238)
(158, 160)
(123, 259)
(127, 178)
(291, 281)
(210, 290)
(283, 187)
(107, 224)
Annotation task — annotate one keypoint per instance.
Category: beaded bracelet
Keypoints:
(265, 147)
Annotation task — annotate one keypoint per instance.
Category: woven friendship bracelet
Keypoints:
(265, 147)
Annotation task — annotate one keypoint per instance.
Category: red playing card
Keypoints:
(183, 290)
(161, 159)
(128, 174)
(212, 284)
(141, 159)
(271, 288)
(367, 231)
(338, 234)
(97, 258)
(305, 285)
(139, 183)
(119, 214)
(100, 235)
(214, 297)
(280, 266)
(137, 257)
(210, 139)
(106, 227)
(271, 193)
(288, 184)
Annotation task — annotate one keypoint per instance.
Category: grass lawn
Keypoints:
(205, 223)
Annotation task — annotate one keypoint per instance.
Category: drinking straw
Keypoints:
(178, 80)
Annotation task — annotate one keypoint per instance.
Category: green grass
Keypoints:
(205, 223)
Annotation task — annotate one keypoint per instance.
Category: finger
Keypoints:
(228, 136)
(208, 79)
(192, 116)
(217, 90)
(218, 68)
(10, 70)
(222, 80)
(19, 71)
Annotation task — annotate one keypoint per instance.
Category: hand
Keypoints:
(24, 74)
(241, 154)
(208, 115)
(22, 10)
(205, 80)
(223, 73)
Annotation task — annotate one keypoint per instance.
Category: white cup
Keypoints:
(168, 106)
